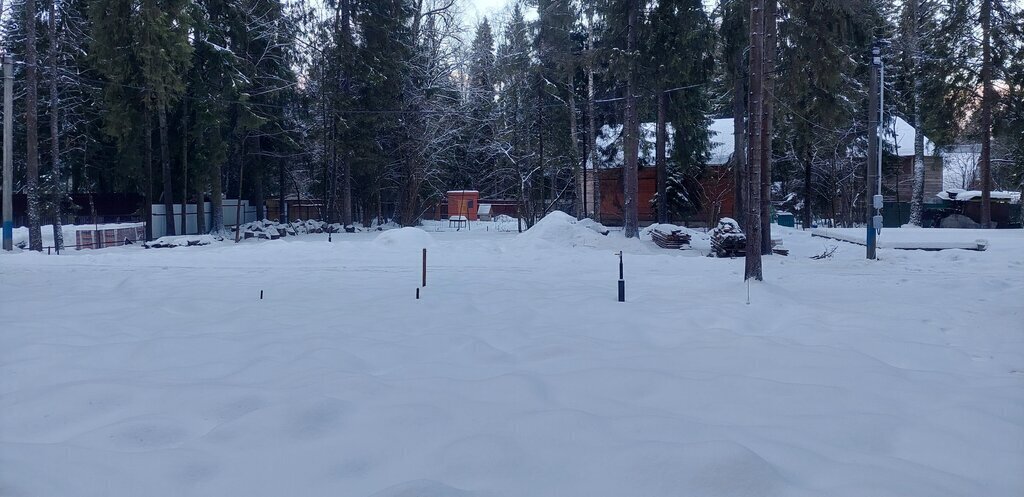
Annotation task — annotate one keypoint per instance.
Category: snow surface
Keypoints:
(132, 372)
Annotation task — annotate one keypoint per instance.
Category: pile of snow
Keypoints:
(408, 237)
(559, 228)
(182, 241)
(594, 225)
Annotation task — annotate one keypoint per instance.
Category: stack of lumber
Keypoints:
(728, 240)
(777, 247)
(667, 236)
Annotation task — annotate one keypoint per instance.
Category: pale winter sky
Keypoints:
(479, 8)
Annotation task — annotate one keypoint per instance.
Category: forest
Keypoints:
(378, 107)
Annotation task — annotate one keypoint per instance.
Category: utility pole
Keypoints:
(873, 184)
(8, 152)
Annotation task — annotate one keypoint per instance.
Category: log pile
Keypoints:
(728, 240)
(666, 237)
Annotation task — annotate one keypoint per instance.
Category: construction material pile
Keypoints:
(669, 236)
(728, 240)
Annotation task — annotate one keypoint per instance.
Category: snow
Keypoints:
(962, 195)
(404, 238)
(20, 234)
(182, 241)
(128, 372)
(899, 134)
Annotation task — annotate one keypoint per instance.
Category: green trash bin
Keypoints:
(785, 219)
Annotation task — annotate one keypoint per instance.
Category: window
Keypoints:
(469, 204)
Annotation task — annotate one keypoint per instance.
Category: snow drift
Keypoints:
(407, 237)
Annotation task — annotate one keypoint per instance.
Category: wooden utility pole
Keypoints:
(754, 155)
(987, 97)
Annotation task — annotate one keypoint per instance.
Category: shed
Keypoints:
(463, 203)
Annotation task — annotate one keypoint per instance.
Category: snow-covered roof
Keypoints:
(899, 134)
(463, 191)
(968, 195)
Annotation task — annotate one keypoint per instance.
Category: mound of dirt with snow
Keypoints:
(407, 237)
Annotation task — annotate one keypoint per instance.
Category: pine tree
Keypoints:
(734, 33)
(679, 57)
(631, 126)
(516, 107)
(32, 129)
(482, 112)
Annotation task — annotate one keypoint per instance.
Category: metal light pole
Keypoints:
(8, 227)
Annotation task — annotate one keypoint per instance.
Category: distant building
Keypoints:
(898, 182)
(716, 185)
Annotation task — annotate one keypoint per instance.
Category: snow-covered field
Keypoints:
(133, 372)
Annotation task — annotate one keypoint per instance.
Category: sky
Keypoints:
(479, 8)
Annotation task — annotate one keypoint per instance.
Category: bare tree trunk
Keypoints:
(184, 166)
(917, 193)
(35, 235)
(630, 219)
(808, 193)
(165, 168)
(591, 123)
(58, 177)
(346, 164)
(200, 209)
(147, 129)
(281, 188)
(216, 199)
(752, 268)
(240, 150)
(660, 159)
(258, 197)
(987, 98)
(767, 109)
(739, 130)
(575, 147)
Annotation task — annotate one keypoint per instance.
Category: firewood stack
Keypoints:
(728, 240)
(666, 237)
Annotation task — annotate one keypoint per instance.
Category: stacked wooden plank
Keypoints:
(728, 240)
(670, 237)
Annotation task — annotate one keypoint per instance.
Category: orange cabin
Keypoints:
(463, 203)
